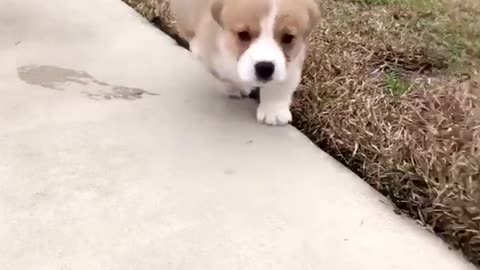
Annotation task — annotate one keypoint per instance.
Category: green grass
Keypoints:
(423, 4)
(453, 26)
(396, 85)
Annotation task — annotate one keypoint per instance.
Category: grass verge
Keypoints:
(391, 89)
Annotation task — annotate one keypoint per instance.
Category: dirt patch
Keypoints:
(391, 89)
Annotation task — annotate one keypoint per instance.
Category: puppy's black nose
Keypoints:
(264, 70)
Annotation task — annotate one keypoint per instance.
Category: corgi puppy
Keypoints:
(249, 44)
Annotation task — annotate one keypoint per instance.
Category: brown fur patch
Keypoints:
(291, 20)
(242, 16)
(187, 15)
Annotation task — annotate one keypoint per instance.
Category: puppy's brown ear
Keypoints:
(313, 13)
(216, 9)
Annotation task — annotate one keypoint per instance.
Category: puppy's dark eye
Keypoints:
(244, 36)
(287, 39)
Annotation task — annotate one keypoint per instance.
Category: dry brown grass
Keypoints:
(417, 144)
(155, 10)
(392, 91)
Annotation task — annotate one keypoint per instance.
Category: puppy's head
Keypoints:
(265, 36)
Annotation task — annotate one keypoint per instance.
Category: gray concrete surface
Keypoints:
(116, 154)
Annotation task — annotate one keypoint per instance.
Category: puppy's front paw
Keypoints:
(229, 89)
(274, 114)
(234, 94)
(238, 92)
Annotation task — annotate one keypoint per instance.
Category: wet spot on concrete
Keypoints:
(58, 78)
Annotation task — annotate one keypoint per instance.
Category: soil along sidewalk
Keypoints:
(391, 90)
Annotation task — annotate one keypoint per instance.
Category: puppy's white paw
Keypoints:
(238, 93)
(234, 94)
(231, 90)
(275, 115)
(246, 91)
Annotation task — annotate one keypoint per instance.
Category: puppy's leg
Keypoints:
(230, 89)
(186, 33)
(246, 91)
(237, 91)
(195, 47)
(275, 101)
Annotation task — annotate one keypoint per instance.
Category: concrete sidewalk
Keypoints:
(116, 154)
